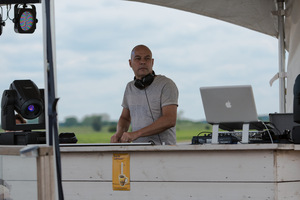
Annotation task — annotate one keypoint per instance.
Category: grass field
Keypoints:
(184, 131)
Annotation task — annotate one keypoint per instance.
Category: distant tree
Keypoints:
(180, 115)
(112, 129)
(71, 121)
(207, 127)
(96, 123)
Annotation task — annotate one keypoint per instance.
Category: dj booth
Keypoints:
(184, 171)
(245, 170)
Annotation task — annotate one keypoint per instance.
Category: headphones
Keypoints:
(145, 81)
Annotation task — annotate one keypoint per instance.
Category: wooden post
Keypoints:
(45, 175)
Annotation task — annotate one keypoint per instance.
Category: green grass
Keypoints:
(184, 132)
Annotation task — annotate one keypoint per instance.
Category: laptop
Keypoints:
(230, 106)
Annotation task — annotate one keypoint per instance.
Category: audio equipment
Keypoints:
(145, 81)
(297, 100)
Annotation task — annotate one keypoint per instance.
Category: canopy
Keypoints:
(264, 16)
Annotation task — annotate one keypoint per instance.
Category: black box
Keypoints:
(23, 138)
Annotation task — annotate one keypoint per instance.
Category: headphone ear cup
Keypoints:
(145, 81)
(139, 84)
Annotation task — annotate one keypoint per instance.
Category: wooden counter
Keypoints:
(209, 172)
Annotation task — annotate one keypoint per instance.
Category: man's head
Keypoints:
(141, 61)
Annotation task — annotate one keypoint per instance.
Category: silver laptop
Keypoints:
(229, 104)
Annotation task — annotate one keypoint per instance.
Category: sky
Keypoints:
(93, 44)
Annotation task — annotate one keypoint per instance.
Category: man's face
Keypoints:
(141, 62)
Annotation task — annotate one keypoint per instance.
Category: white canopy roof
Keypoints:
(253, 14)
(258, 15)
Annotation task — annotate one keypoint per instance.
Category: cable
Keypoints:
(209, 132)
(267, 131)
(152, 114)
(8, 8)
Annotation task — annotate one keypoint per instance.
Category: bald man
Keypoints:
(149, 104)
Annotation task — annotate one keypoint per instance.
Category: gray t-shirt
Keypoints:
(160, 93)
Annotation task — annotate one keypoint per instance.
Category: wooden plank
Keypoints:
(19, 168)
(21, 190)
(45, 178)
(175, 166)
(72, 148)
(18, 1)
(171, 190)
(10, 150)
(288, 190)
(14, 150)
(87, 166)
(204, 166)
(288, 165)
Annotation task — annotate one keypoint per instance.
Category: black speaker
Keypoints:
(297, 100)
(145, 81)
(296, 135)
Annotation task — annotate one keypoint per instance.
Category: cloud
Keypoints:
(94, 41)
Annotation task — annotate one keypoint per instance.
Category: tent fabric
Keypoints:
(253, 14)
(292, 32)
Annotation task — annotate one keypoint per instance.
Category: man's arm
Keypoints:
(123, 126)
(167, 120)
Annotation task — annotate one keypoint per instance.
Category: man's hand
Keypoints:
(115, 138)
(128, 137)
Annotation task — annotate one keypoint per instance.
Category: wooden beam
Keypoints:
(19, 1)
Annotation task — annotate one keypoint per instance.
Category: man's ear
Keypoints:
(129, 61)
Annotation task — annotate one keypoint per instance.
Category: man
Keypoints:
(149, 104)
(19, 120)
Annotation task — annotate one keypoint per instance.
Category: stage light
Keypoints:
(25, 98)
(25, 19)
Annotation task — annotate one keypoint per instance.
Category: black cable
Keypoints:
(8, 8)
(151, 114)
(209, 132)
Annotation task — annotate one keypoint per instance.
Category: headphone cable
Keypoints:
(151, 114)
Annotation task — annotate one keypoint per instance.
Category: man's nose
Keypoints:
(143, 61)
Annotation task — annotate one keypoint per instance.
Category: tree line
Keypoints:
(97, 122)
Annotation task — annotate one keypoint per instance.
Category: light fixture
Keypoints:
(25, 98)
(2, 23)
(25, 19)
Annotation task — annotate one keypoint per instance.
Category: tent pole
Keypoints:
(281, 47)
(50, 91)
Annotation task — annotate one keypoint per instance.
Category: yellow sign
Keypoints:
(121, 171)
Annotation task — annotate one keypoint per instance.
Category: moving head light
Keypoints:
(25, 98)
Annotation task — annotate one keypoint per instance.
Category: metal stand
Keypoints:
(215, 134)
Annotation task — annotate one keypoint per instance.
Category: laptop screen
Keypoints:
(229, 104)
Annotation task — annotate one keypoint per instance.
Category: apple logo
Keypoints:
(228, 104)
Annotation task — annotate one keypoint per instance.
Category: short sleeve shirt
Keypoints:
(145, 107)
